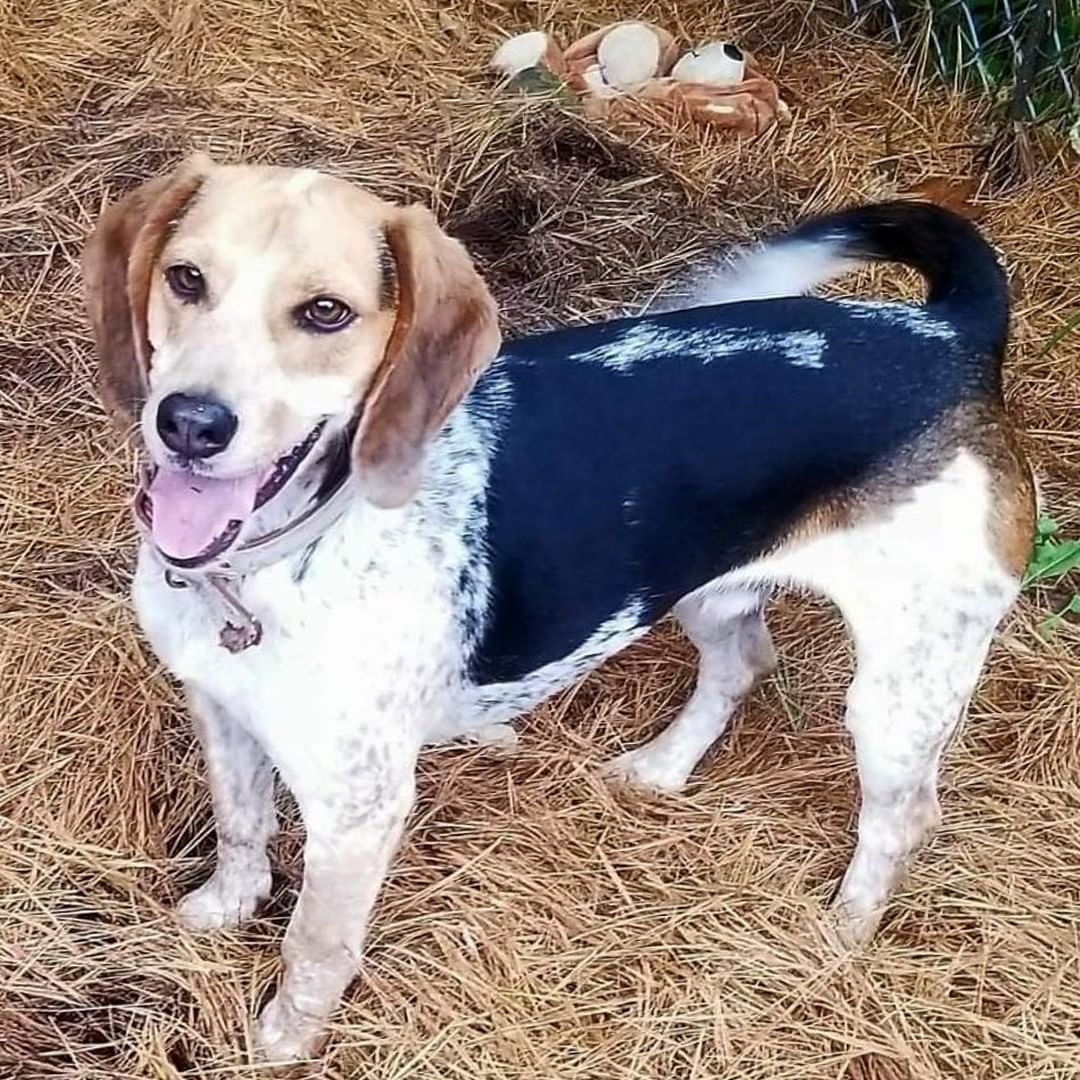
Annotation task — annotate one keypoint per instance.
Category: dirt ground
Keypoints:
(536, 926)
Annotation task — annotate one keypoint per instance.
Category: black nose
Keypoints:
(195, 427)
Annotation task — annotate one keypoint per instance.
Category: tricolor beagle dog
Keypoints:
(369, 524)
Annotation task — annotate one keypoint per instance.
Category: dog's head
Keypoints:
(245, 316)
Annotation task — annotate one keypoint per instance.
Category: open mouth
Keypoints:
(194, 518)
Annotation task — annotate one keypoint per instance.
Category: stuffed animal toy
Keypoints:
(614, 68)
(619, 58)
(722, 85)
(524, 51)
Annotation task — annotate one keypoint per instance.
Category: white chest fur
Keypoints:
(348, 638)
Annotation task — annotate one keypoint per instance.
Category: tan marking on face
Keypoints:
(267, 241)
(118, 264)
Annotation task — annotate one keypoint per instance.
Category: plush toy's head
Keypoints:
(718, 63)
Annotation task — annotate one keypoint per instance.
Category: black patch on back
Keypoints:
(646, 483)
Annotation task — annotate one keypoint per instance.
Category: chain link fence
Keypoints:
(1025, 53)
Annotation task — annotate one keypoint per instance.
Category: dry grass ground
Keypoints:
(536, 926)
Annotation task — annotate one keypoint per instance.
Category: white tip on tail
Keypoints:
(780, 268)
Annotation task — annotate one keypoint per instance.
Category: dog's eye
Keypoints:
(186, 281)
(325, 314)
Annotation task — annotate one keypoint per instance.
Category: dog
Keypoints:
(370, 525)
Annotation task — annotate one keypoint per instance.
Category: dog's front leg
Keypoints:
(354, 802)
(242, 787)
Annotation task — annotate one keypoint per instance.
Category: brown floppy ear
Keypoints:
(117, 264)
(446, 332)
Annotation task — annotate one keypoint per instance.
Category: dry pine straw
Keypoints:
(536, 925)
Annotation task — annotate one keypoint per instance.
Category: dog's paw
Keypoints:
(847, 930)
(224, 903)
(497, 736)
(646, 770)
(284, 1035)
(502, 738)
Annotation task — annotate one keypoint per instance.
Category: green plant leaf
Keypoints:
(1045, 528)
(1047, 627)
(1052, 560)
(540, 81)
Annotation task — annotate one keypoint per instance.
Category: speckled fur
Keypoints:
(377, 626)
(368, 638)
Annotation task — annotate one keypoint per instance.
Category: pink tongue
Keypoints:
(191, 512)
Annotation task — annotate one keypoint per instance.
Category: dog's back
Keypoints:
(636, 460)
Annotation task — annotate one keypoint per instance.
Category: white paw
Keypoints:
(645, 769)
(284, 1035)
(223, 904)
(847, 929)
(499, 736)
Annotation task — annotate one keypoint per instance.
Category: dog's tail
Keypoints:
(965, 282)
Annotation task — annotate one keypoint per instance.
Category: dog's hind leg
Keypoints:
(242, 787)
(917, 669)
(728, 628)
(922, 588)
